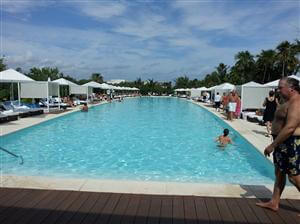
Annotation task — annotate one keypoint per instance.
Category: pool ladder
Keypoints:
(14, 155)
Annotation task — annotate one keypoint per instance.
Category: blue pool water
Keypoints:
(158, 139)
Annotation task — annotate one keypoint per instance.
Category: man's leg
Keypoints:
(279, 185)
(295, 180)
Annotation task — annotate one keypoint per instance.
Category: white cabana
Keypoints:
(64, 82)
(40, 89)
(203, 88)
(252, 95)
(81, 90)
(13, 76)
(275, 83)
(106, 86)
(195, 92)
(222, 88)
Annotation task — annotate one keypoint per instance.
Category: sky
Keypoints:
(147, 39)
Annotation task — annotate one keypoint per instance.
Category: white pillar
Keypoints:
(48, 97)
(19, 96)
(87, 94)
(58, 96)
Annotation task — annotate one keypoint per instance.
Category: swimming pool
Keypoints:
(157, 139)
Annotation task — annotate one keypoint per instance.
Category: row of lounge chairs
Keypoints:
(11, 111)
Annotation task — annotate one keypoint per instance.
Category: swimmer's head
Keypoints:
(226, 132)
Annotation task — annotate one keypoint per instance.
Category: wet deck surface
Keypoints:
(53, 206)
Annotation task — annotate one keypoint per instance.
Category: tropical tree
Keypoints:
(97, 77)
(244, 66)
(222, 72)
(212, 79)
(182, 82)
(2, 65)
(265, 62)
(42, 74)
(287, 55)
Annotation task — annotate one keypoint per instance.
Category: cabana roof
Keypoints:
(64, 82)
(11, 75)
(225, 86)
(93, 84)
(252, 84)
(275, 83)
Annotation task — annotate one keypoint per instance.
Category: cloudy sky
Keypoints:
(159, 39)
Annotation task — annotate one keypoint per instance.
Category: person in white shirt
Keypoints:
(217, 101)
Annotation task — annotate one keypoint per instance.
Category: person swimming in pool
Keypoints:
(224, 139)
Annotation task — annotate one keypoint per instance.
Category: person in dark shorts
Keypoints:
(285, 156)
(270, 103)
(217, 100)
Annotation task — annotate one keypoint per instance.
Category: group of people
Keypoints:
(282, 116)
(230, 103)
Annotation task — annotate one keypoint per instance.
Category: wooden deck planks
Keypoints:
(28, 206)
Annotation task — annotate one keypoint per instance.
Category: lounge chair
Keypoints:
(3, 118)
(52, 104)
(7, 115)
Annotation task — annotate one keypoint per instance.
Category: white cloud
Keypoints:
(242, 19)
(21, 6)
(101, 9)
(148, 44)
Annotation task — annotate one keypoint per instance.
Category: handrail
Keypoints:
(5, 150)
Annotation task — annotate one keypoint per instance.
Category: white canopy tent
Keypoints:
(13, 76)
(275, 83)
(93, 84)
(202, 89)
(195, 92)
(40, 89)
(223, 88)
(252, 95)
(64, 82)
(81, 90)
(106, 86)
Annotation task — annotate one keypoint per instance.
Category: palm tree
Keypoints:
(97, 77)
(222, 71)
(245, 65)
(266, 59)
(182, 82)
(2, 65)
(284, 53)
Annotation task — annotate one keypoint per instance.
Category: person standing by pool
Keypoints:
(286, 144)
(237, 112)
(217, 100)
(231, 105)
(270, 103)
(224, 101)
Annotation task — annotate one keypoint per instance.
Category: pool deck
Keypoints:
(252, 132)
(33, 206)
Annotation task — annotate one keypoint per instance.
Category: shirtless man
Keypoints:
(224, 139)
(286, 144)
(231, 105)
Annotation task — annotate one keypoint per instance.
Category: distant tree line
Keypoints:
(267, 66)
